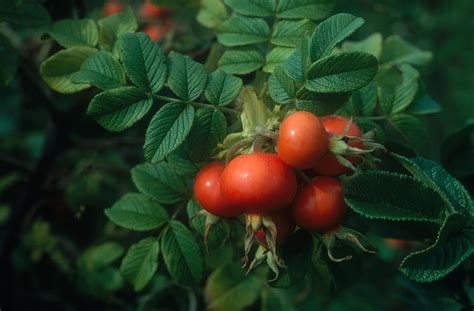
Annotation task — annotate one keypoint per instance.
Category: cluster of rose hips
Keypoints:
(156, 19)
(263, 186)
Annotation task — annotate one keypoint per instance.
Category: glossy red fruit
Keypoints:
(319, 205)
(208, 194)
(112, 7)
(302, 140)
(284, 226)
(328, 164)
(151, 11)
(258, 183)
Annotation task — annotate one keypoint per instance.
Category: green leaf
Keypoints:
(222, 88)
(112, 27)
(277, 300)
(297, 253)
(297, 64)
(277, 56)
(310, 9)
(182, 255)
(331, 32)
(457, 151)
(435, 176)
(281, 87)
(212, 13)
(423, 106)
(405, 93)
(219, 231)
(144, 61)
(8, 61)
(229, 288)
(241, 61)
(137, 212)
(209, 129)
(411, 129)
(26, 13)
(187, 78)
(182, 163)
(454, 244)
(74, 32)
(320, 104)
(375, 195)
(58, 69)
(119, 108)
(101, 70)
(343, 72)
(140, 263)
(364, 100)
(97, 257)
(167, 130)
(397, 51)
(290, 33)
(372, 45)
(160, 182)
(240, 30)
(258, 8)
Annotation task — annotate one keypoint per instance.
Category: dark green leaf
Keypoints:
(159, 181)
(8, 61)
(222, 88)
(74, 32)
(209, 129)
(228, 288)
(290, 33)
(423, 106)
(58, 69)
(397, 51)
(411, 129)
(137, 212)
(457, 151)
(241, 61)
(259, 8)
(187, 78)
(119, 108)
(167, 130)
(27, 13)
(277, 56)
(376, 195)
(364, 100)
(240, 30)
(140, 263)
(331, 32)
(405, 93)
(320, 104)
(182, 255)
(112, 27)
(343, 72)
(101, 70)
(310, 9)
(281, 87)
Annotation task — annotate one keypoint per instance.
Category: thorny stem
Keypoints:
(196, 104)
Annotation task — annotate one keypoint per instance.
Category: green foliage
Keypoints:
(112, 27)
(240, 30)
(71, 32)
(241, 61)
(222, 88)
(212, 13)
(187, 78)
(8, 61)
(26, 13)
(281, 86)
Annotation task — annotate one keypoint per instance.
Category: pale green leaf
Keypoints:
(397, 51)
(405, 93)
(74, 32)
(277, 56)
(212, 13)
(259, 8)
(372, 45)
(290, 33)
(241, 61)
(240, 30)
(310, 9)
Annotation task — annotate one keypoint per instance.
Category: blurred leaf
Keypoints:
(423, 106)
(454, 244)
(281, 87)
(277, 56)
(372, 45)
(159, 181)
(222, 88)
(137, 212)
(187, 78)
(140, 263)
(27, 13)
(4, 213)
(375, 195)
(112, 27)
(8, 61)
(289, 33)
(241, 61)
(143, 60)
(97, 257)
(240, 30)
(74, 32)
(209, 129)
(101, 70)
(182, 255)
(228, 288)
(341, 73)
(457, 151)
(119, 108)
(212, 13)
(331, 32)
(258, 8)
(277, 300)
(411, 129)
(397, 51)
(167, 130)
(310, 9)
(58, 69)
